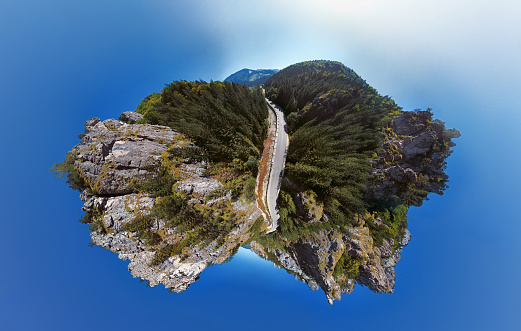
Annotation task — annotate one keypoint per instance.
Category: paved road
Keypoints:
(277, 166)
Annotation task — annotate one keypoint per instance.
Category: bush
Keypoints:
(67, 168)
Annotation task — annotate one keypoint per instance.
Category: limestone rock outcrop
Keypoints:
(112, 153)
(377, 268)
(130, 117)
(175, 273)
(312, 258)
(412, 156)
(111, 156)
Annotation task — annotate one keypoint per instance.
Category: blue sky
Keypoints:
(63, 62)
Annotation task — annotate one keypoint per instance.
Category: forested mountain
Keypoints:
(226, 121)
(356, 162)
(350, 152)
(335, 122)
(297, 85)
(251, 77)
(171, 186)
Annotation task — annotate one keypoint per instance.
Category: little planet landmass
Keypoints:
(309, 167)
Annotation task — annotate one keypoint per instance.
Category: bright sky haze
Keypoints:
(63, 62)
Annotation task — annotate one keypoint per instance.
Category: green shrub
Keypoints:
(67, 168)
(348, 266)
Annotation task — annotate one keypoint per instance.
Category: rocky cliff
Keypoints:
(172, 208)
(112, 156)
(408, 166)
(313, 259)
(411, 162)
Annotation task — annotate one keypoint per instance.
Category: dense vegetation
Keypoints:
(199, 224)
(299, 84)
(342, 148)
(340, 136)
(227, 120)
(335, 122)
(228, 123)
(331, 142)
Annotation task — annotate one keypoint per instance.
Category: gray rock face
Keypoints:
(120, 209)
(309, 207)
(408, 124)
(112, 154)
(313, 258)
(414, 156)
(378, 273)
(130, 117)
(412, 159)
(318, 255)
(196, 182)
(287, 262)
(174, 273)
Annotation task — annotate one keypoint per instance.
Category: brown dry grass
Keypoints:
(264, 166)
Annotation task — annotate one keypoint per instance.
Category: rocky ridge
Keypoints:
(111, 156)
(112, 153)
(415, 148)
(313, 258)
(413, 153)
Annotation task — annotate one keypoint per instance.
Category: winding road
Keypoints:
(278, 161)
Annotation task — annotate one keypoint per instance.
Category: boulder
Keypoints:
(130, 117)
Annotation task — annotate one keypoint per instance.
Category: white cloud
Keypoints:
(395, 45)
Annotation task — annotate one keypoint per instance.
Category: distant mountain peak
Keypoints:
(251, 77)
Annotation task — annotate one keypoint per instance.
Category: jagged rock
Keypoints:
(313, 258)
(174, 274)
(194, 180)
(415, 157)
(113, 153)
(318, 255)
(201, 186)
(410, 123)
(117, 242)
(360, 245)
(119, 210)
(130, 117)
(287, 262)
(309, 207)
(414, 151)
(419, 144)
(398, 174)
(377, 271)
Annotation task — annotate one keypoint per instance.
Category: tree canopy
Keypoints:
(228, 120)
(335, 121)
